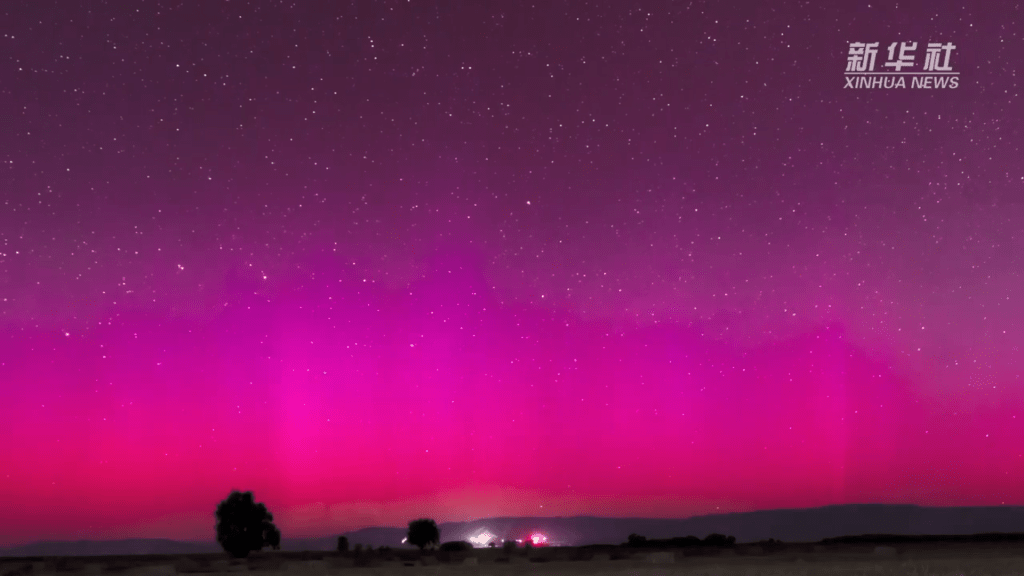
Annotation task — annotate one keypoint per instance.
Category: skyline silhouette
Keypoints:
(827, 525)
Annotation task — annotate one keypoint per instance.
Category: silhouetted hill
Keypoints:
(796, 525)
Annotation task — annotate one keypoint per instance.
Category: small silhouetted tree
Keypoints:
(244, 526)
(358, 549)
(637, 541)
(423, 532)
(509, 546)
(719, 540)
(342, 544)
(492, 544)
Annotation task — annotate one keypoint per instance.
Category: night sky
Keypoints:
(382, 260)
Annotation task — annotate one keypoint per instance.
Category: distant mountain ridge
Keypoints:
(788, 525)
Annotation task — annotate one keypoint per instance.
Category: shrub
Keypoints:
(636, 541)
(719, 540)
(342, 544)
(456, 546)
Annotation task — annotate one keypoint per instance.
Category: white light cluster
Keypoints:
(481, 539)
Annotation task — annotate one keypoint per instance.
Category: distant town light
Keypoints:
(482, 539)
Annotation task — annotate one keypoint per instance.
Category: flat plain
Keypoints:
(931, 560)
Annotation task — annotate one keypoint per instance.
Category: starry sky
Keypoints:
(382, 260)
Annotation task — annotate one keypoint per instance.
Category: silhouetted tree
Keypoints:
(244, 526)
(342, 544)
(358, 549)
(272, 534)
(492, 544)
(509, 546)
(637, 541)
(719, 540)
(423, 532)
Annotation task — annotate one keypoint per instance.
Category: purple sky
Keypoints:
(381, 260)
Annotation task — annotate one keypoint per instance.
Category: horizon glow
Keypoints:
(395, 261)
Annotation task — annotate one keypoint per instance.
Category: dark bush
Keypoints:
(342, 544)
(456, 546)
(719, 540)
(636, 541)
